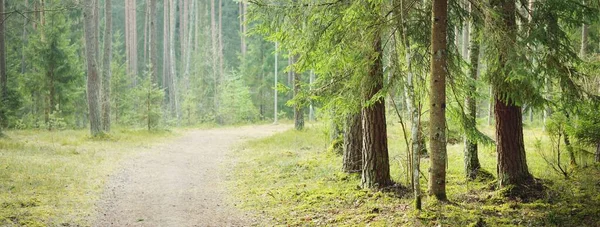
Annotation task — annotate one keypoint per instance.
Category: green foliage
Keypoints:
(236, 105)
(149, 98)
(290, 179)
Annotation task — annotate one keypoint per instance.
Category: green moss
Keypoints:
(291, 179)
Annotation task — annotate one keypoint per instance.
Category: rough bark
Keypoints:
(471, 159)
(106, 71)
(352, 144)
(512, 162)
(437, 100)
(93, 81)
(376, 168)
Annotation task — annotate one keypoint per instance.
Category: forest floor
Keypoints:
(181, 183)
(295, 179)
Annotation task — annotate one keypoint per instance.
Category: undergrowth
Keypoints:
(292, 179)
(53, 178)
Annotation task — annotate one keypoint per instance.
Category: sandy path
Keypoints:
(180, 184)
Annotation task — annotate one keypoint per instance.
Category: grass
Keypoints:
(291, 179)
(54, 178)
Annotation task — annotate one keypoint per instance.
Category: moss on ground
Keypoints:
(292, 179)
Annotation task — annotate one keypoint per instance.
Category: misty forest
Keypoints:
(299, 113)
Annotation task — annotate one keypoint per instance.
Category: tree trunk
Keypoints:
(512, 162)
(584, 39)
(106, 66)
(437, 100)
(166, 52)
(275, 102)
(131, 39)
(172, 60)
(353, 144)
(472, 165)
(298, 106)
(3, 76)
(93, 81)
(243, 28)
(376, 167)
(311, 108)
(188, 45)
(153, 42)
(214, 56)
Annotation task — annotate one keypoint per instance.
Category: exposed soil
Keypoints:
(180, 183)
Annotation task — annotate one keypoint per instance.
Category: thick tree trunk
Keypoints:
(93, 81)
(106, 66)
(437, 100)
(512, 162)
(472, 165)
(353, 144)
(376, 167)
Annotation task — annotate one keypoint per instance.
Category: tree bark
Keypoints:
(584, 38)
(166, 47)
(512, 162)
(172, 102)
(93, 81)
(153, 42)
(298, 106)
(471, 159)
(376, 168)
(353, 144)
(106, 66)
(3, 76)
(437, 100)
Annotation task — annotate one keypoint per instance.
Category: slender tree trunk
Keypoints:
(173, 61)
(437, 100)
(311, 109)
(153, 42)
(186, 74)
(106, 66)
(275, 101)
(3, 76)
(353, 144)
(512, 162)
(214, 57)
(376, 168)
(243, 28)
(472, 165)
(584, 38)
(298, 107)
(93, 82)
(490, 106)
(221, 55)
(166, 52)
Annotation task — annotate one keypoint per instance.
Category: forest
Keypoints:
(300, 113)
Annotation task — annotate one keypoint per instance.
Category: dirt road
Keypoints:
(179, 184)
